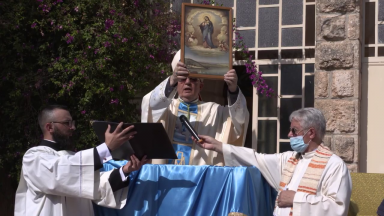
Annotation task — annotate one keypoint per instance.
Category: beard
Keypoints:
(63, 140)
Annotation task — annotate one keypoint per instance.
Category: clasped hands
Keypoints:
(117, 138)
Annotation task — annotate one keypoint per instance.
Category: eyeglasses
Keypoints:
(192, 80)
(294, 131)
(70, 123)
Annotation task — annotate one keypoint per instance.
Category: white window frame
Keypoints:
(279, 62)
(376, 58)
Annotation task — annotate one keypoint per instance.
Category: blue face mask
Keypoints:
(297, 143)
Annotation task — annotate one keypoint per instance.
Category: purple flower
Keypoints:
(83, 112)
(121, 87)
(116, 101)
(124, 40)
(89, 47)
(111, 89)
(162, 71)
(107, 44)
(108, 24)
(151, 56)
(96, 51)
(33, 25)
(76, 9)
(75, 60)
(112, 11)
(69, 38)
(58, 1)
(136, 2)
(60, 27)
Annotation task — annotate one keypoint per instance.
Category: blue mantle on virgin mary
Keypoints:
(194, 190)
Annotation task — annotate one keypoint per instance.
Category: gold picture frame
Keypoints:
(206, 40)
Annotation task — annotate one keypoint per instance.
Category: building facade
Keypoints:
(327, 54)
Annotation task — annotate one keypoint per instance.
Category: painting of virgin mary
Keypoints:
(206, 40)
(206, 28)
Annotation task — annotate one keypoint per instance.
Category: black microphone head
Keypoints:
(183, 118)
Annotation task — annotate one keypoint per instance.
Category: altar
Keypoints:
(195, 190)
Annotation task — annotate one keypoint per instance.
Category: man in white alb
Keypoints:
(225, 123)
(311, 180)
(54, 181)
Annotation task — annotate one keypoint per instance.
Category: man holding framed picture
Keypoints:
(222, 122)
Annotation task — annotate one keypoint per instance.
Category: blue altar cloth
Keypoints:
(194, 190)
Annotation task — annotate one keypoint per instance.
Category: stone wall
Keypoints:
(337, 74)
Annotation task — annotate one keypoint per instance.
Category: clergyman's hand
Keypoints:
(286, 199)
(209, 143)
(180, 73)
(134, 164)
(118, 137)
(231, 79)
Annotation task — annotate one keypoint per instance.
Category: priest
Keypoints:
(54, 181)
(311, 179)
(225, 123)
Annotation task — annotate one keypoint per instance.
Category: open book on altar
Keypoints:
(151, 140)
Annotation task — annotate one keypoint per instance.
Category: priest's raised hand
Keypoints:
(118, 137)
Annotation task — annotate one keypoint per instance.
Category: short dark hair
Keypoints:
(46, 114)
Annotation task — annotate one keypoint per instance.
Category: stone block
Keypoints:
(327, 141)
(353, 29)
(341, 115)
(353, 167)
(331, 28)
(344, 147)
(340, 6)
(321, 84)
(337, 55)
(343, 83)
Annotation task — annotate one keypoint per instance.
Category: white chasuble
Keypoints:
(63, 183)
(224, 123)
(333, 191)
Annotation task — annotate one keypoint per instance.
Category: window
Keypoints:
(282, 37)
(373, 35)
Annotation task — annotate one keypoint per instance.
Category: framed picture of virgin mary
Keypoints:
(206, 40)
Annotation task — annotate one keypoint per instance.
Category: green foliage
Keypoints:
(92, 55)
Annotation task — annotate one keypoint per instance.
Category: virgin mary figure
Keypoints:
(206, 28)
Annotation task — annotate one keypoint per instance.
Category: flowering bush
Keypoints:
(92, 55)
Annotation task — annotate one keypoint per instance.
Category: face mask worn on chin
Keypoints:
(298, 144)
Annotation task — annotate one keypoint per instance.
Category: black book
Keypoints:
(151, 140)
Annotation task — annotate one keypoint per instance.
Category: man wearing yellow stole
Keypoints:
(311, 179)
(225, 123)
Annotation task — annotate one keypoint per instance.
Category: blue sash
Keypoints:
(182, 142)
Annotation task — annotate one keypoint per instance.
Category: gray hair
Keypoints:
(310, 117)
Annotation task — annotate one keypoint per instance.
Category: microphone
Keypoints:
(185, 121)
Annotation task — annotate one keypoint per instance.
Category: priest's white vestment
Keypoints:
(333, 191)
(225, 123)
(54, 183)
